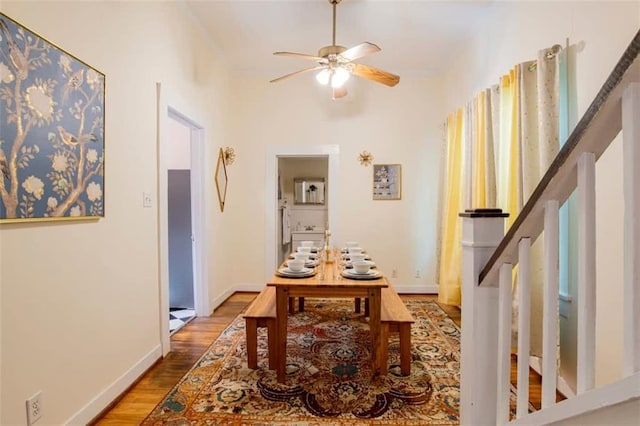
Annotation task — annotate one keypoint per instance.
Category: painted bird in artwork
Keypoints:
(72, 141)
(74, 83)
(18, 60)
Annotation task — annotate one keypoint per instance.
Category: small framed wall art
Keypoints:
(51, 130)
(387, 181)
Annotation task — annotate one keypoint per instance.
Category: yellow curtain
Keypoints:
(484, 174)
(510, 201)
(451, 252)
(529, 143)
(479, 164)
(498, 148)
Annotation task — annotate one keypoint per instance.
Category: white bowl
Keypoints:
(356, 257)
(295, 265)
(361, 267)
(306, 243)
(355, 250)
(304, 249)
(301, 256)
(352, 244)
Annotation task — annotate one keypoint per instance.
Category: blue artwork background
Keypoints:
(51, 130)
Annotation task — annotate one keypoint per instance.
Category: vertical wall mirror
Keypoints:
(221, 179)
(308, 191)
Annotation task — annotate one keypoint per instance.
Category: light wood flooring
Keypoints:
(190, 342)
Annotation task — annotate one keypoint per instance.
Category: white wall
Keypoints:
(79, 301)
(79, 312)
(179, 146)
(397, 125)
(600, 31)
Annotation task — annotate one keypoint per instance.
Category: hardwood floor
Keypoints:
(189, 343)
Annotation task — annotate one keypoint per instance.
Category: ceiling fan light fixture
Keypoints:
(323, 77)
(339, 77)
(336, 63)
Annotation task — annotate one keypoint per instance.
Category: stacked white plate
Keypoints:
(347, 263)
(311, 256)
(345, 251)
(370, 275)
(347, 258)
(303, 273)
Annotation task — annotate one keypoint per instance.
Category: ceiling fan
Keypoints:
(335, 64)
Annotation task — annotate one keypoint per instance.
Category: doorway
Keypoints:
(273, 229)
(180, 226)
(302, 212)
(190, 158)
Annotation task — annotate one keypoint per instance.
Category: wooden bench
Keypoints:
(395, 317)
(261, 313)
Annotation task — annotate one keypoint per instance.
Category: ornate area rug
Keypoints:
(328, 375)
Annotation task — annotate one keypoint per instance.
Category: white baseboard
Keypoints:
(108, 395)
(412, 289)
(564, 388)
(536, 364)
(561, 384)
(221, 298)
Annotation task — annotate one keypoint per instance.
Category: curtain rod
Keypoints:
(549, 54)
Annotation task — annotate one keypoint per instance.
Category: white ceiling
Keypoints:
(417, 37)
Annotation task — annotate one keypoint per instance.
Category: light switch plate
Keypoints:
(146, 199)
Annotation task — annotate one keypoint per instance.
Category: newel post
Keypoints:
(482, 231)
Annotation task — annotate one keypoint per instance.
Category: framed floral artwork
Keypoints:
(387, 181)
(51, 130)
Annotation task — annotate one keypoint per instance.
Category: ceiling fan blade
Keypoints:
(299, 55)
(339, 92)
(302, 71)
(376, 75)
(362, 49)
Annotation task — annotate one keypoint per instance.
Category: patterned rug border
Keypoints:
(308, 419)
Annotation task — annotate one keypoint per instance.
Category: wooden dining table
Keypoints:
(327, 283)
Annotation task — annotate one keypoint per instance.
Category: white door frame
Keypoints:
(170, 106)
(271, 194)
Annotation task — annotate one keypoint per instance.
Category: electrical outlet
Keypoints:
(417, 273)
(394, 273)
(34, 408)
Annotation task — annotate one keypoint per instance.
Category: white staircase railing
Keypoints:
(488, 259)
